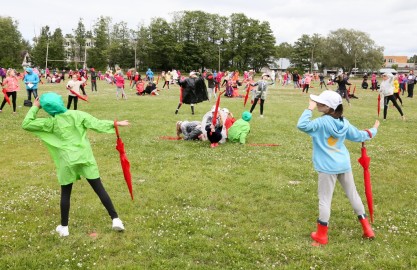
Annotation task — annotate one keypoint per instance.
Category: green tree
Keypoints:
(56, 50)
(98, 54)
(284, 50)
(160, 47)
(412, 59)
(307, 51)
(250, 43)
(263, 47)
(348, 48)
(192, 29)
(237, 28)
(121, 51)
(41, 47)
(142, 45)
(80, 39)
(11, 43)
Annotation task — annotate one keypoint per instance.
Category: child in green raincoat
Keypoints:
(240, 129)
(65, 136)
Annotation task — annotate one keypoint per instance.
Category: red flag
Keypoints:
(247, 94)
(364, 160)
(6, 97)
(124, 161)
(85, 98)
(170, 138)
(379, 104)
(216, 110)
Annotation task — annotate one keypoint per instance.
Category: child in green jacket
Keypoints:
(240, 129)
(65, 136)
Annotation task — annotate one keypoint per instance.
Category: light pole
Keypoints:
(47, 50)
(219, 60)
(85, 57)
(134, 48)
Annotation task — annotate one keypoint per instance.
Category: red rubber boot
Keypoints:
(320, 236)
(367, 230)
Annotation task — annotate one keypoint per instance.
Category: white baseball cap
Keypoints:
(328, 98)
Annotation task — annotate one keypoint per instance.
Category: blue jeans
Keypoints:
(30, 91)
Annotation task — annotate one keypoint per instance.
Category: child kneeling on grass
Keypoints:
(240, 129)
(64, 134)
(331, 158)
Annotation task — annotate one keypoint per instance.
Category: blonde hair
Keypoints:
(9, 71)
(179, 131)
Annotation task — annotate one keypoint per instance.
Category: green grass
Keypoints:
(232, 207)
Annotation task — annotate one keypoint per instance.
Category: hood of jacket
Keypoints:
(52, 103)
(336, 127)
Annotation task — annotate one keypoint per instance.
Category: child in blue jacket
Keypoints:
(331, 158)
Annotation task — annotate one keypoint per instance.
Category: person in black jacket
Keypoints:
(211, 85)
(93, 80)
(194, 90)
(342, 81)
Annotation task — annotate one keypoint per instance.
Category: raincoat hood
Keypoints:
(247, 116)
(29, 70)
(337, 128)
(52, 103)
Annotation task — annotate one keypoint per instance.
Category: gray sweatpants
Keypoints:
(326, 186)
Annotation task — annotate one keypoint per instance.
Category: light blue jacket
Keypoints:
(149, 73)
(32, 78)
(330, 154)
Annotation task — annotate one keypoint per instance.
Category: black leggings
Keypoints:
(70, 98)
(397, 96)
(14, 95)
(82, 89)
(166, 83)
(386, 100)
(93, 86)
(410, 90)
(261, 105)
(99, 190)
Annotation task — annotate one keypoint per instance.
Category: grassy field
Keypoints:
(231, 207)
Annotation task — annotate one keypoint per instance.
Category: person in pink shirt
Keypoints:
(401, 81)
(11, 85)
(307, 81)
(120, 85)
(374, 82)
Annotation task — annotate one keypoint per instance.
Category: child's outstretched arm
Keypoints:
(356, 135)
(123, 123)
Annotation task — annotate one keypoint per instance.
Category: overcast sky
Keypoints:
(390, 23)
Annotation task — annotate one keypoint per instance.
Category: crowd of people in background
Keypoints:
(228, 83)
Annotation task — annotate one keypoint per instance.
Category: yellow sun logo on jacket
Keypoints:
(332, 142)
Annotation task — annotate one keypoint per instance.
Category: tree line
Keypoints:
(191, 40)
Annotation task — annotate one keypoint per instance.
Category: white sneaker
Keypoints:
(262, 116)
(62, 230)
(118, 225)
